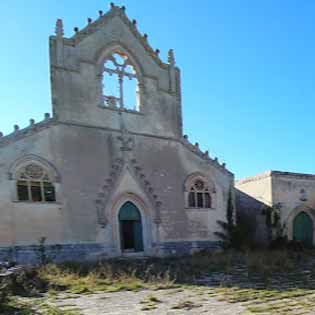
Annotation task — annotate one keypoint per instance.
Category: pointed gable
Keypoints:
(77, 75)
(112, 28)
(115, 26)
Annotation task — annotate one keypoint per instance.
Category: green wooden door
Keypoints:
(303, 229)
(138, 241)
(130, 225)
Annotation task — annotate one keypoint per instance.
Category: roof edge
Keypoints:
(33, 128)
(253, 178)
(205, 156)
(274, 174)
(92, 27)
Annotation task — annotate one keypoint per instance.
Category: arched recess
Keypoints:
(303, 229)
(146, 221)
(130, 227)
(289, 222)
(32, 158)
(34, 179)
(104, 56)
(199, 192)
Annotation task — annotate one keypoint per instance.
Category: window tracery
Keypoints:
(33, 184)
(199, 194)
(120, 86)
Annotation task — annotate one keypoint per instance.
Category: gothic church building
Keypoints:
(110, 173)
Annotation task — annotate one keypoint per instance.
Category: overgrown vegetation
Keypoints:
(134, 275)
(236, 233)
(42, 255)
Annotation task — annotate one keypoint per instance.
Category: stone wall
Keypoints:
(101, 156)
(155, 171)
(288, 193)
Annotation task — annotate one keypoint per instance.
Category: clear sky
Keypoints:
(248, 71)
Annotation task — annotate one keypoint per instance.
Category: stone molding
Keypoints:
(26, 132)
(45, 124)
(38, 160)
(103, 20)
(253, 178)
(147, 216)
(204, 156)
(275, 174)
(292, 215)
(292, 175)
(125, 161)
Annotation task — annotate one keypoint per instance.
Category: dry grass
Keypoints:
(164, 273)
(101, 278)
(154, 274)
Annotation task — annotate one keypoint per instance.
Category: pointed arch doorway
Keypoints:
(303, 229)
(130, 228)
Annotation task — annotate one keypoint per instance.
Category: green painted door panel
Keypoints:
(130, 224)
(129, 212)
(303, 229)
(138, 236)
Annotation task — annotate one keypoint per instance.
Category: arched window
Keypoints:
(34, 184)
(120, 83)
(199, 192)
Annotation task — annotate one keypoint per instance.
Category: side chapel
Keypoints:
(110, 173)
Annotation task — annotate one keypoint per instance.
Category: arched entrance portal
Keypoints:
(130, 226)
(303, 229)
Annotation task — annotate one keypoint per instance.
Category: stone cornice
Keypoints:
(103, 19)
(292, 175)
(253, 178)
(32, 129)
(35, 128)
(275, 174)
(205, 156)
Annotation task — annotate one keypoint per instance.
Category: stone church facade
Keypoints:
(105, 176)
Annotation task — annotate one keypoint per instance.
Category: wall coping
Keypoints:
(30, 130)
(274, 174)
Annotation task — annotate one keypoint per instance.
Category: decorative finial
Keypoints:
(123, 8)
(171, 58)
(100, 12)
(134, 22)
(59, 28)
(216, 160)
(76, 29)
(186, 137)
(89, 20)
(16, 128)
(223, 165)
(157, 51)
(145, 36)
(32, 122)
(112, 5)
(197, 145)
(207, 154)
(47, 116)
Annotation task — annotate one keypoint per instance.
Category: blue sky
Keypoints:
(248, 71)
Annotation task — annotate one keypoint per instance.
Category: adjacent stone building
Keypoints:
(291, 197)
(110, 173)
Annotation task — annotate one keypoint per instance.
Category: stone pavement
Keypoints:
(233, 293)
(170, 301)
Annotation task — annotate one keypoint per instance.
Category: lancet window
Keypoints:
(34, 184)
(120, 83)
